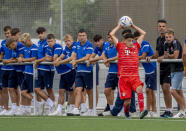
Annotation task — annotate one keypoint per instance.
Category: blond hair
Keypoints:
(25, 37)
(170, 31)
(68, 37)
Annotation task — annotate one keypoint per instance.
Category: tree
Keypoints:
(76, 14)
(23, 14)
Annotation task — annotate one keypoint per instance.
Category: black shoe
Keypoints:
(107, 108)
(167, 114)
(100, 114)
(127, 116)
(143, 114)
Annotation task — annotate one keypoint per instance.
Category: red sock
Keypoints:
(141, 101)
(126, 108)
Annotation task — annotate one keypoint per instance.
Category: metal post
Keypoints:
(158, 87)
(94, 90)
(34, 85)
(163, 9)
(61, 21)
(117, 9)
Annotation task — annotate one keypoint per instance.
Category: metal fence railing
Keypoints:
(94, 80)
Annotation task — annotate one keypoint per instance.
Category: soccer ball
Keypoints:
(125, 21)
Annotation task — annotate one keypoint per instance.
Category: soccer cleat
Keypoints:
(107, 113)
(143, 114)
(121, 114)
(1, 109)
(154, 114)
(83, 110)
(69, 113)
(167, 114)
(12, 112)
(20, 113)
(75, 112)
(149, 114)
(179, 115)
(51, 109)
(55, 113)
(4, 112)
(164, 114)
(127, 116)
(88, 113)
(107, 108)
(40, 109)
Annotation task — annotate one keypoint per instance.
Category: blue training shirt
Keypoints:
(99, 51)
(67, 52)
(147, 48)
(81, 51)
(42, 49)
(16, 53)
(30, 52)
(7, 55)
(111, 51)
(57, 50)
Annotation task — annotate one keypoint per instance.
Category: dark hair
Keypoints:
(50, 36)
(109, 32)
(129, 35)
(14, 31)
(162, 21)
(136, 34)
(40, 30)
(97, 38)
(126, 31)
(9, 41)
(82, 31)
(6, 28)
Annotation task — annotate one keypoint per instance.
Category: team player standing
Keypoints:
(77, 76)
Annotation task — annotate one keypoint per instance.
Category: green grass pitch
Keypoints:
(89, 124)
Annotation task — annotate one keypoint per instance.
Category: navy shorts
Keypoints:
(84, 79)
(45, 79)
(0, 79)
(9, 79)
(27, 83)
(97, 74)
(111, 81)
(150, 81)
(67, 80)
(20, 78)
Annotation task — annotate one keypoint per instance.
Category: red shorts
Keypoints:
(127, 84)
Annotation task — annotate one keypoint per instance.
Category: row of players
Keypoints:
(81, 51)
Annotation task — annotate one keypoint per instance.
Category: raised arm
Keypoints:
(142, 33)
(113, 32)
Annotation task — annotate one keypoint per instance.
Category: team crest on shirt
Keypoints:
(123, 94)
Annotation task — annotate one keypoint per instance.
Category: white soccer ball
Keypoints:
(125, 21)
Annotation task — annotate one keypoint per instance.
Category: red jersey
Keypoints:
(128, 59)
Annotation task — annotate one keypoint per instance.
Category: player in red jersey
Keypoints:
(128, 63)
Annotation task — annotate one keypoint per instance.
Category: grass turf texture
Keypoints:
(89, 124)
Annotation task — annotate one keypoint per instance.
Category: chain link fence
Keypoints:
(95, 16)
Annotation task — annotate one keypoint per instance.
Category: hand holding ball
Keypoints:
(125, 21)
